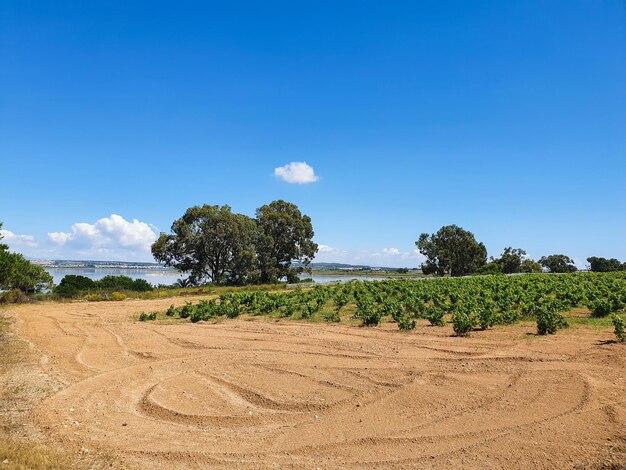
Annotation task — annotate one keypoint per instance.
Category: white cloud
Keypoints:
(108, 238)
(391, 251)
(296, 173)
(16, 242)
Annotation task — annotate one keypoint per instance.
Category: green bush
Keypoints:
(72, 285)
(463, 323)
(601, 307)
(18, 273)
(95, 297)
(147, 316)
(406, 322)
(486, 318)
(618, 323)
(332, 316)
(141, 285)
(435, 316)
(549, 322)
(14, 296)
(367, 312)
(117, 296)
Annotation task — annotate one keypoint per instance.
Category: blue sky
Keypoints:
(507, 118)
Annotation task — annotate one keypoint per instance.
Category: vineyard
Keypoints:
(468, 303)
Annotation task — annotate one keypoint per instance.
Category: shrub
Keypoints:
(147, 316)
(618, 323)
(486, 318)
(463, 323)
(141, 285)
(367, 312)
(435, 316)
(14, 296)
(94, 297)
(600, 307)
(72, 285)
(171, 311)
(406, 322)
(603, 306)
(332, 316)
(186, 310)
(549, 321)
(117, 296)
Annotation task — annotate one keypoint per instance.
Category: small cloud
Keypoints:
(296, 173)
(391, 251)
(16, 241)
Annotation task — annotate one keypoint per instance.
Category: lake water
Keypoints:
(169, 277)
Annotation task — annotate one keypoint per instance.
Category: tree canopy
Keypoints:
(285, 236)
(558, 263)
(18, 273)
(603, 265)
(452, 250)
(211, 243)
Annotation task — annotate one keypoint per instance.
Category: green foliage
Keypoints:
(367, 312)
(486, 317)
(558, 263)
(618, 324)
(141, 285)
(117, 296)
(549, 320)
(285, 236)
(18, 273)
(435, 315)
(147, 316)
(210, 243)
(14, 296)
(451, 250)
(73, 286)
(511, 260)
(530, 266)
(603, 265)
(472, 301)
(601, 307)
(95, 298)
(489, 269)
(463, 323)
(332, 316)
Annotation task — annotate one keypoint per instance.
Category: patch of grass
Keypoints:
(22, 454)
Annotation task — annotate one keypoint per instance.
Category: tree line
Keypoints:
(210, 243)
(455, 252)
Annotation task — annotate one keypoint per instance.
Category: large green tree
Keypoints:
(603, 265)
(211, 243)
(16, 272)
(452, 250)
(511, 260)
(558, 263)
(285, 237)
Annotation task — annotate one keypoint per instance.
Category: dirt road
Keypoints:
(261, 394)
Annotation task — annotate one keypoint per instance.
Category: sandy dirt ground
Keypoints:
(265, 394)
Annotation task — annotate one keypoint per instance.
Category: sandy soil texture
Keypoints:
(264, 394)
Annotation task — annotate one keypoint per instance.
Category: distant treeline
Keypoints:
(603, 265)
